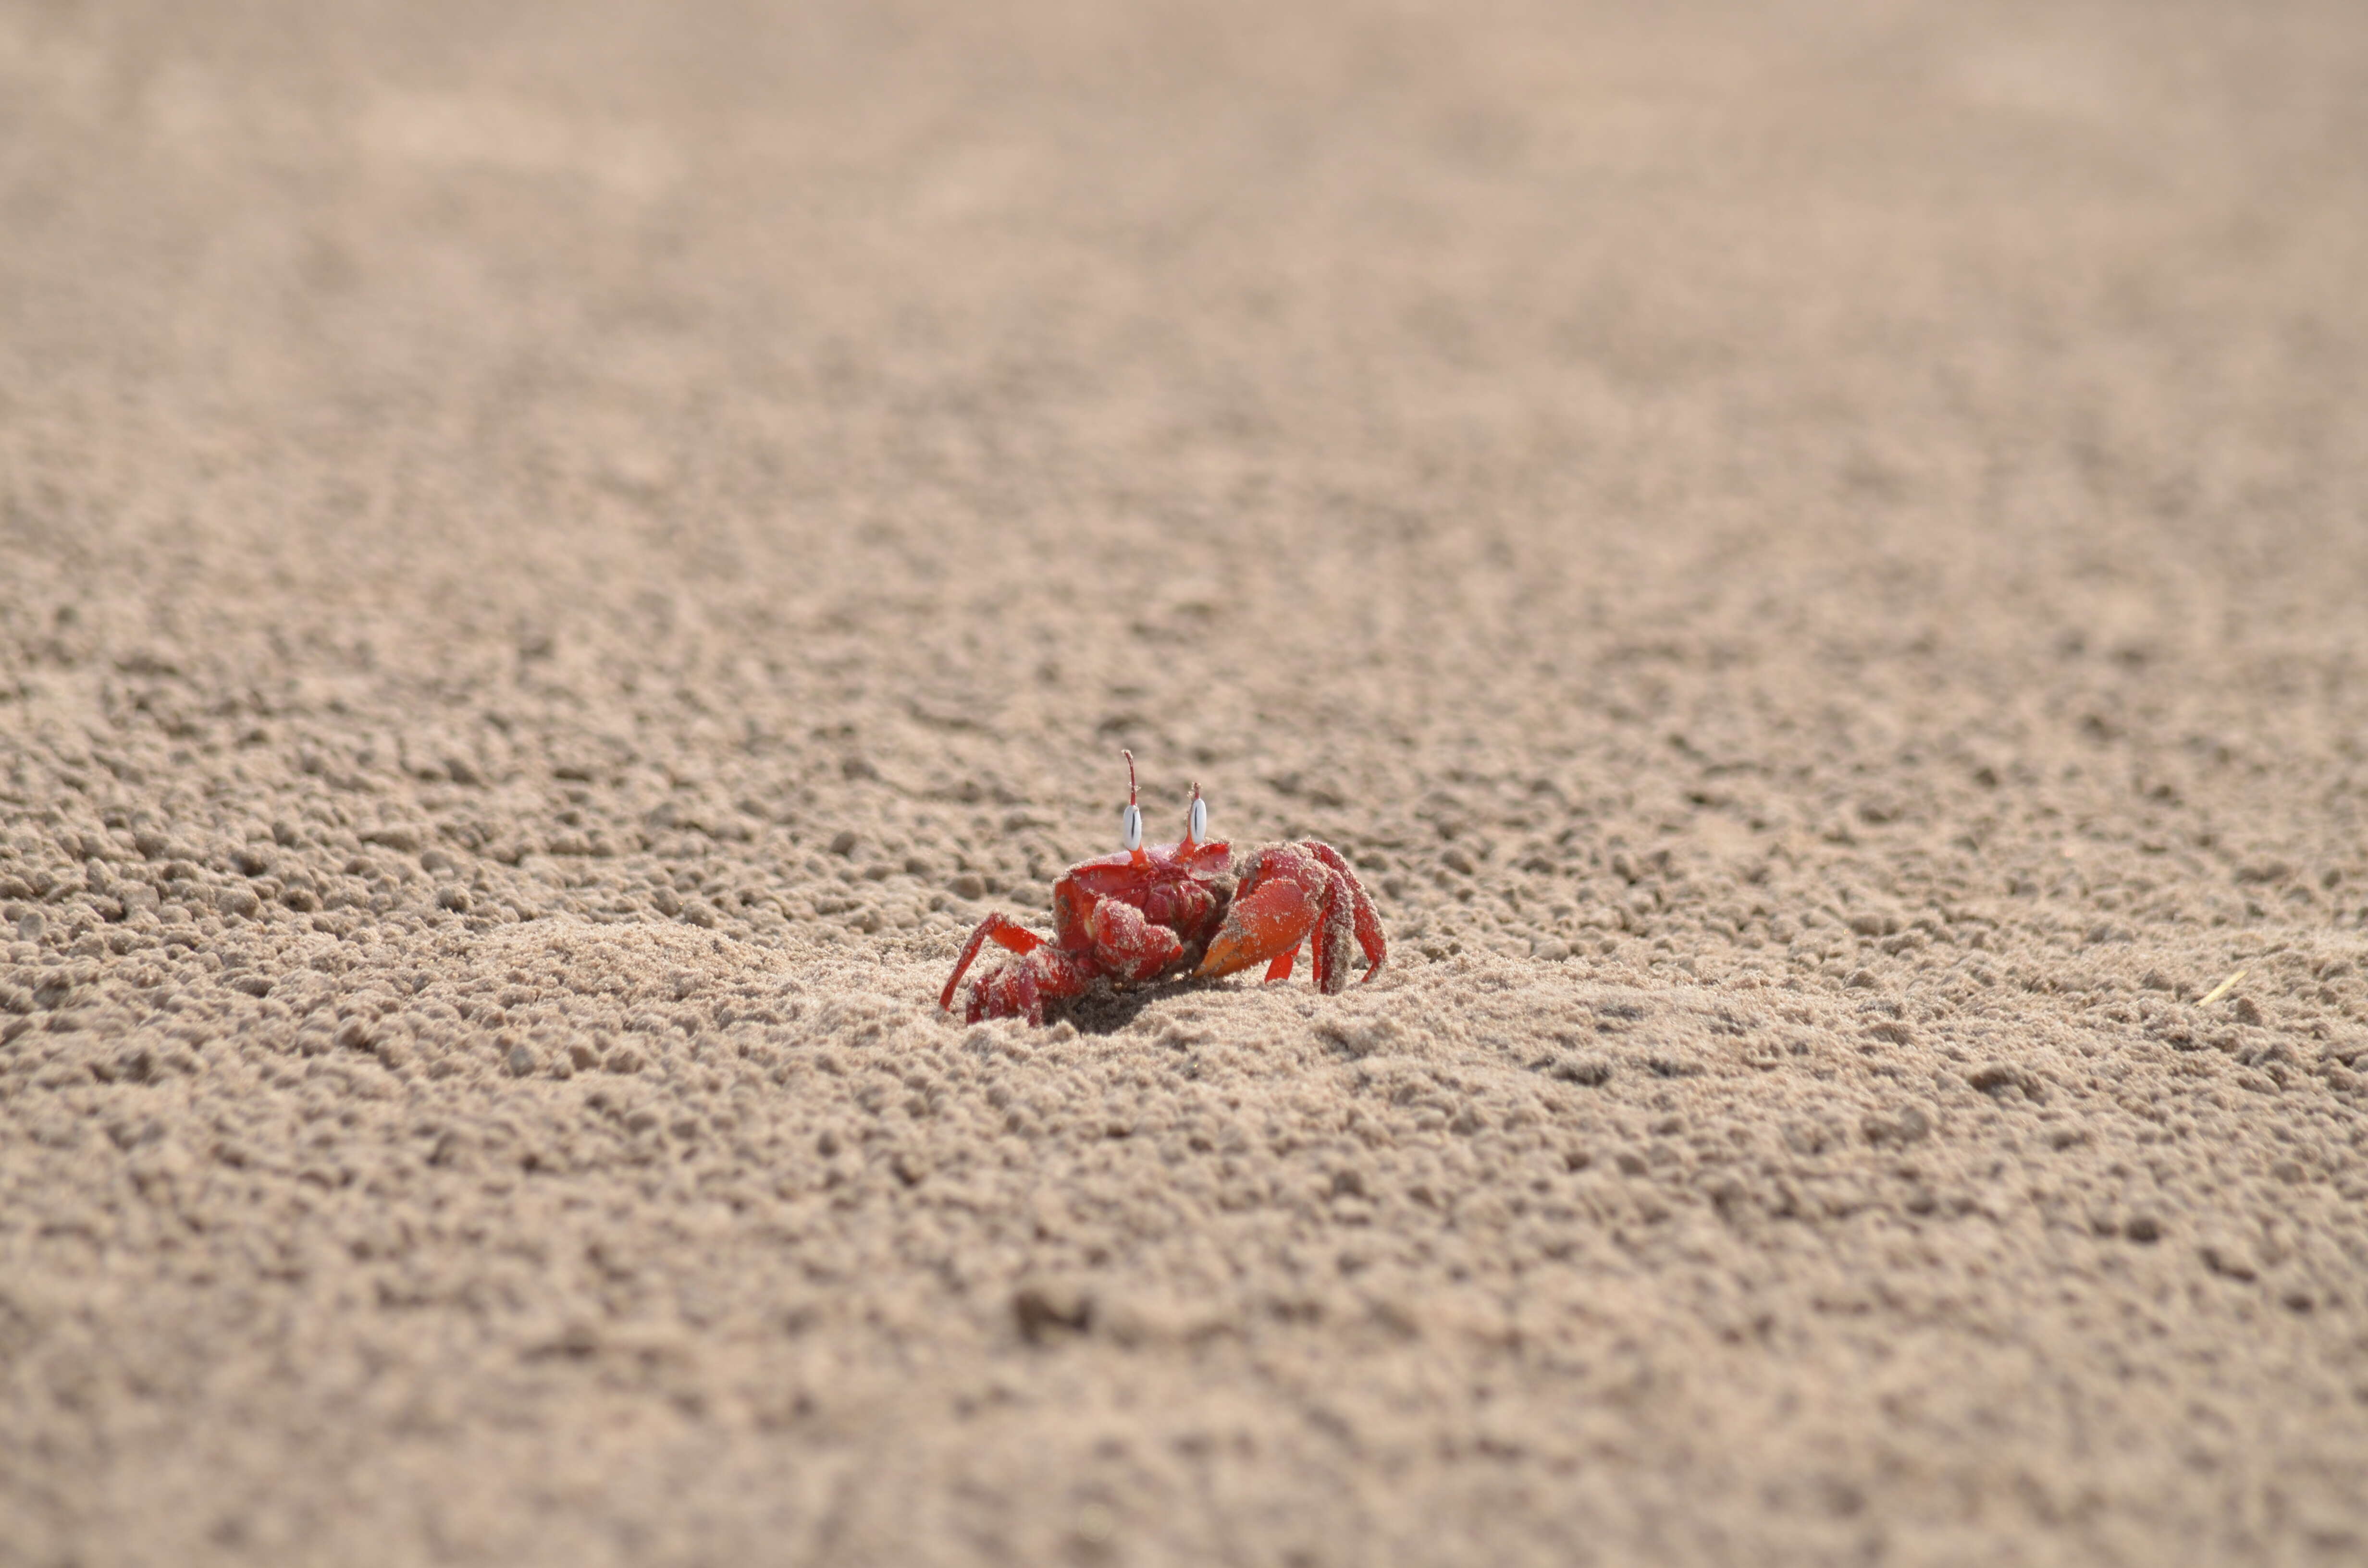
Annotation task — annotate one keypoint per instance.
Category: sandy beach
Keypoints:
(555, 560)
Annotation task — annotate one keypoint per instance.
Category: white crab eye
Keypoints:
(1130, 829)
(1199, 820)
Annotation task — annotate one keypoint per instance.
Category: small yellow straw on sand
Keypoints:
(2220, 990)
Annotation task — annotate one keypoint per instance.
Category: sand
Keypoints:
(555, 560)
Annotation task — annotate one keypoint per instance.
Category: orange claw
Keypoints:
(1270, 923)
(1294, 893)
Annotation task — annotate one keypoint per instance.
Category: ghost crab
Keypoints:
(1176, 910)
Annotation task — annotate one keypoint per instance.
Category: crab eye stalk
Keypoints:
(1197, 823)
(1131, 821)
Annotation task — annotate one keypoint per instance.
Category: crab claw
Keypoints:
(1292, 893)
(1266, 925)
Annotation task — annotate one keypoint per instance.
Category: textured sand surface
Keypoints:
(554, 560)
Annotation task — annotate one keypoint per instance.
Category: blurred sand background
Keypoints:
(553, 558)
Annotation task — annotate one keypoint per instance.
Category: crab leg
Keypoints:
(1004, 931)
(1367, 923)
(1327, 944)
(1021, 990)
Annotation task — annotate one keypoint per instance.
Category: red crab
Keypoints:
(1143, 912)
